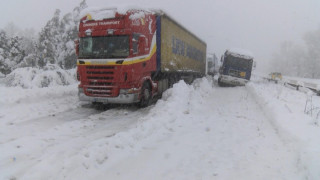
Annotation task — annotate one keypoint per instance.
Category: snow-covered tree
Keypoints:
(312, 40)
(53, 45)
(299, 60)
(56, 40)
(48, 40)
(69, 30)
(16, 53)
(9, 53)
(12, 30)
(77, 10)
(66, 52)
(4, 68)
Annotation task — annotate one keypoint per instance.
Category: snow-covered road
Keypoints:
(45, 129)
(198, 131)
(223, 135)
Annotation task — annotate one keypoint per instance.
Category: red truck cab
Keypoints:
(116, 56)
(132, 56)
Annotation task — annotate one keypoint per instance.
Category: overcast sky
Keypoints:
(258, 26)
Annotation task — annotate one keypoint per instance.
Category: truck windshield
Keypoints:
(238, 62)
(104, 47)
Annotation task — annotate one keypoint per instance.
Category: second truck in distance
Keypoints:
(235, 69)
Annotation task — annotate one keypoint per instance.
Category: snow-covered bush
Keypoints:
(50, 75)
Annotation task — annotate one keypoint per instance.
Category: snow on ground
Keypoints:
(295, 114)
(50, 75)
(307, 80)
(198, 131)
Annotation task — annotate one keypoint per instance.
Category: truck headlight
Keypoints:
(129, 91)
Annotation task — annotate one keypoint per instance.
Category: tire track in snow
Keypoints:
(287, 139)
(233, 141)
(39, 124)
(64, 140)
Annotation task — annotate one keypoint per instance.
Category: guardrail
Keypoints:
(294, 83)
(300, 84)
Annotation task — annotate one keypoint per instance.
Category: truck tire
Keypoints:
(145, 95)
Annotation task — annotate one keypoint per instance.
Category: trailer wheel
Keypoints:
(145, 95)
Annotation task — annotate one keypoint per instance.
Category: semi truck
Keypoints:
(132, 56)
(212, 64)
(236, 68)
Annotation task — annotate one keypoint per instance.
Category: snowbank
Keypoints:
(198, 131)
(287, 110)
(30, 77)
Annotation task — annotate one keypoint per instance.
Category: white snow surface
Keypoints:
(98, 13)
(198, 131)
(137, 15)
(50, 75)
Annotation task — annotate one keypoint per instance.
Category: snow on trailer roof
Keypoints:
(241, 53)
(96, 13)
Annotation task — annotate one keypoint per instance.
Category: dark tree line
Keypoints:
(53, 45)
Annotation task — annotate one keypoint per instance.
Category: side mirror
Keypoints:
(76, 43)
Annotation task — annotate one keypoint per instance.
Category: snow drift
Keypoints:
(50, 75)
(197, 131)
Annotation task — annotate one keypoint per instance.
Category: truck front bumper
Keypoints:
(121, 99)
(234, 81)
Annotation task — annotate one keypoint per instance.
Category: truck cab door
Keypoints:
(142, 45)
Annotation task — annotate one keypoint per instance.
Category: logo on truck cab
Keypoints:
(101, 23)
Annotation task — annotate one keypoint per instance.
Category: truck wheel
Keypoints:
(145, 95)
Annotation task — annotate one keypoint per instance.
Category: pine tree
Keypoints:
(312, 40)
(48, 39)
(56, 40)
(4, 61)
(16, 53)
(66, 52)
(54, 45)
(70, 24)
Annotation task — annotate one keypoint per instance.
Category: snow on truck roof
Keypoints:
(237, 52)
(96, 13)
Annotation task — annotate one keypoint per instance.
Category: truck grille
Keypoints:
(100, 81)
(99, 91)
